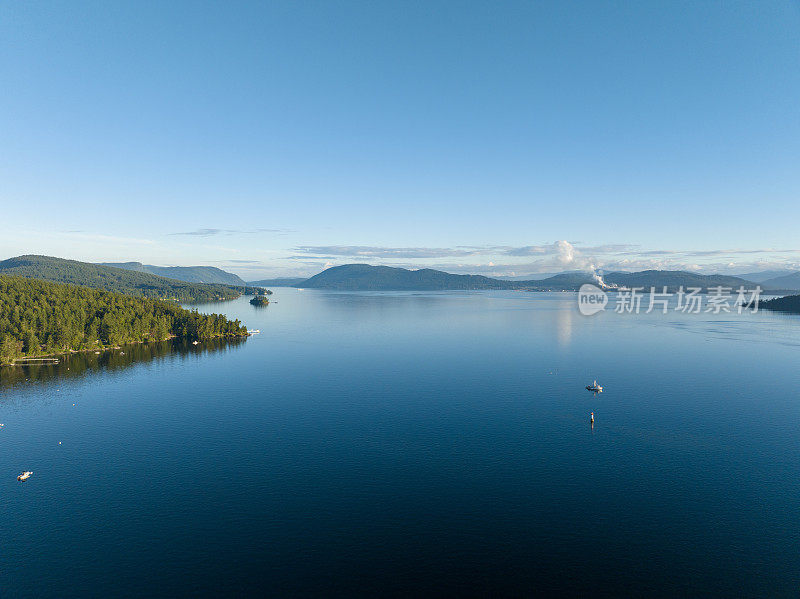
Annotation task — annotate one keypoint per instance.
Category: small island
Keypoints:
(260, 300)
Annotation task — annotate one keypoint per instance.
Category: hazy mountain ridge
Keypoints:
(279, 282)
(190, 274)
(673, 279)
(133, 279)
(364, 277)
(789, 281)
(129, 282)
(764, 275)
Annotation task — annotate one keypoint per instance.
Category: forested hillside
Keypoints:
(191, 274)
(40, 317)
(357, 277)
(115, 279)
(360, 277)
(789, 303)
(674, 279)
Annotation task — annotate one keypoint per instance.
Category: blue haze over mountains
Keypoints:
(365, 277)
(191, 274)
(785, 280)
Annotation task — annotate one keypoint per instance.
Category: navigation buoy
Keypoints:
(592, 418)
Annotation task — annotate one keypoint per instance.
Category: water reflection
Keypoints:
(564, 327)
(85, 363)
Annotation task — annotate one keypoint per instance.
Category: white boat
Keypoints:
(25, 475)
(195, 343)
(594, 387)
(253, 332)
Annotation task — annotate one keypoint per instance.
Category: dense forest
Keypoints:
(129, 282)
(790, 303)
(260, 300)
(41, 318)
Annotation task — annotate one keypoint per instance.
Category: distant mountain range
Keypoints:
(134, 278)
(190, 274)
(790, 281)
(673, 279)
(764, 275)
(109, 278)
(364, 277)
(284, 282)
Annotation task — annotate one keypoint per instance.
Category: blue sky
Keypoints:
(275, 138)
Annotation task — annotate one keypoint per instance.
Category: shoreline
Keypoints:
(106, 348)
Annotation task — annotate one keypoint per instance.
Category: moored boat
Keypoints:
(594, 387)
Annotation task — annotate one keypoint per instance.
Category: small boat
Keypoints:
(594, 387)
(25, 475)
(253, 332)
(195, 343)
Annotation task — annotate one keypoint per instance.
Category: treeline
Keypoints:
(41, 318)
(790, 303)
(129, 282)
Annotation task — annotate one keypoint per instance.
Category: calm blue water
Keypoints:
(402, 444)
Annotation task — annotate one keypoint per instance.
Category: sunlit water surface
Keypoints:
(410, 444)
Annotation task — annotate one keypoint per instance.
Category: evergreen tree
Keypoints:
(39, 317)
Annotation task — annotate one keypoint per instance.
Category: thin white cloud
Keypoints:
(213, 232)
(548, 258)
(363, 251)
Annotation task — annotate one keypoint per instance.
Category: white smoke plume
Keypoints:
(569, 257)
